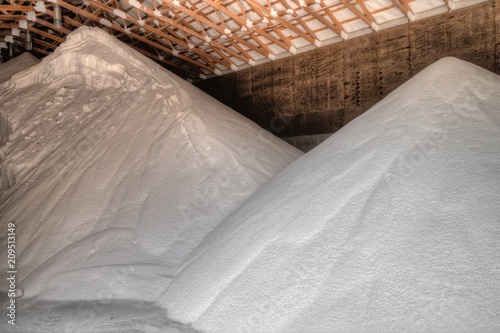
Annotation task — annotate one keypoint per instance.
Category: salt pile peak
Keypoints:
(116, 169)
(90, 55)
(390, 225)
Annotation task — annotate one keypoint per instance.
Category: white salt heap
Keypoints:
(391, 225)
(16, 65)
(115, 170)
(115, 173)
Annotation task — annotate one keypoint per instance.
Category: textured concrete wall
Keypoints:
(322, 90)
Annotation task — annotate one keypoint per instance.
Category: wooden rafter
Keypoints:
(266, 12)
(366, 12)
(285, 44)
(332, 26)
(190, 31)
(208, 59)
(204, 36)
(402, 6)
(122, 30)
(356, 12)
(39, 50)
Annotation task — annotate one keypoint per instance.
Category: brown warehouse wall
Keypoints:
(322, 90)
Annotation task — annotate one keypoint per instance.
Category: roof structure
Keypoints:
(199, 38)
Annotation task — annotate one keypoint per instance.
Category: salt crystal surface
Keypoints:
(117, 169)
(390, 225)
(16, 65)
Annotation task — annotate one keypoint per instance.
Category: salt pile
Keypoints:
(391, 225)
(16, 65)
(116, 169)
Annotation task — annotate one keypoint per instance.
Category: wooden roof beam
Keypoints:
(37, 49)
(359, 14)
(334, 19)
(404, 8)
(9, 17)
(209, 63)
(8, 25)
(133, 35)
(323, 20)
(183, 27)
(40, 41)
(17, 8)
(368, 14)
(53, 27)
(265, 12)
(285, 44)
(200, 18)
(144, 52)
(232, 42)
(45, 34)
(299, 18)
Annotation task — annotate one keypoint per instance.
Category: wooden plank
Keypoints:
(228, 90)
(330, 85)
(404, 9)
(16, 8)
(46, 34)
(321, 90)
(283, 81)
(374, 66)
(323, 20)
(324, 63)
(244, 92)
(497, 38)
(264, 12)
(360, 75)
(365, 11)
(207, 58)
(393, 59)
(473, 34)
(467, 33)
(222, 8)
(283, 95)
(120, 29)
(427, 42)
(332, 17)
(303, 68)
(356, 12)
(262, 95)
(189, 29)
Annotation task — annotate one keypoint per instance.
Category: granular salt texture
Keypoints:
(16, 65)
(118, 169)
(391, 225)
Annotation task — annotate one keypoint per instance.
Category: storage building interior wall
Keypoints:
(322, 90)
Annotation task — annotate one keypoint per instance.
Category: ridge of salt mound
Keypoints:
(16, 65)
(91, 56)
(390, 225)
(118, 169)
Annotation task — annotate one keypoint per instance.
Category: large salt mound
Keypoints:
(391, 225)
(16, 65)
(116, 170)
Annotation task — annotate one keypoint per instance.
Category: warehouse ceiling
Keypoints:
(200, 38)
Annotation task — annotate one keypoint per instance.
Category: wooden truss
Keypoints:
(202, 37)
